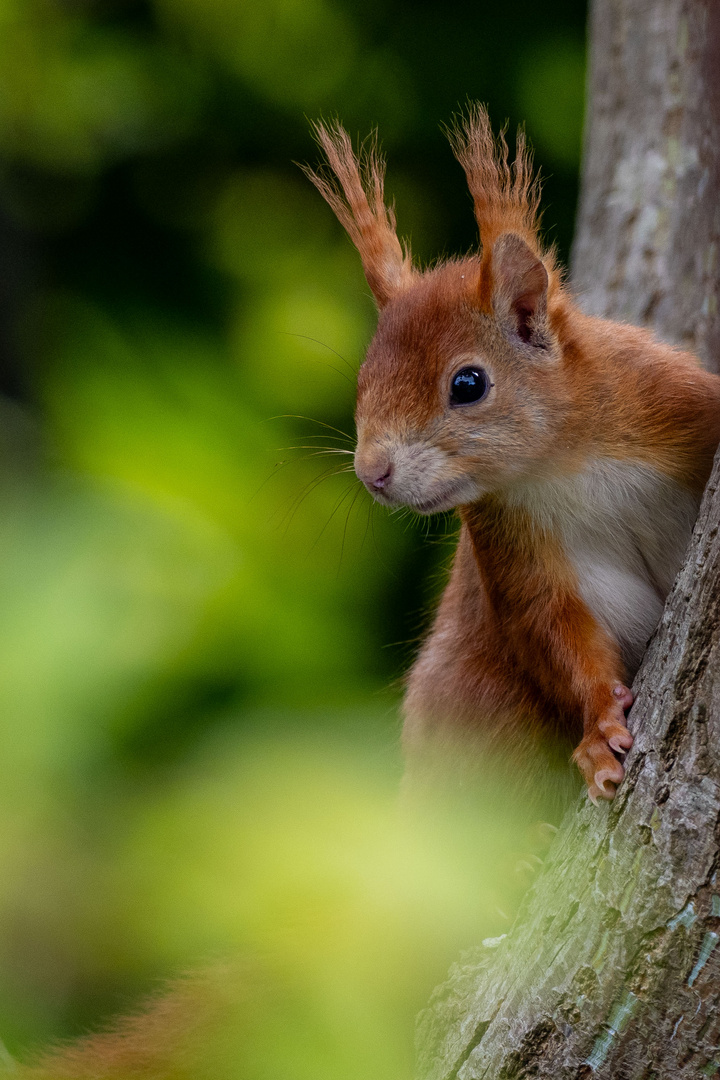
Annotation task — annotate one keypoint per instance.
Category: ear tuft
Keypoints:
(520, 286)
(505, 194)
(353, 184)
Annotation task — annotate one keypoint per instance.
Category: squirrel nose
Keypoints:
(375, 477)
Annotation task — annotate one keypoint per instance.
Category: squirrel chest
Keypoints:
(624, 528)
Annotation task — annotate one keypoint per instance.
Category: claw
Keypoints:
(598, 754)
(615, 775)
(595, 793)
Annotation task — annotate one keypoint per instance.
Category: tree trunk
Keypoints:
(647, 247)
(611, 969)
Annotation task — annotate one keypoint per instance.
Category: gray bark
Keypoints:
(647, 247)
(612, 968)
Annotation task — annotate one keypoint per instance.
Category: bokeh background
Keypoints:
(203, 621)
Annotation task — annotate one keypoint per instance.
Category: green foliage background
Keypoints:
(201, 625)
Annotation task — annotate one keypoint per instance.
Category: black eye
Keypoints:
(469, 385)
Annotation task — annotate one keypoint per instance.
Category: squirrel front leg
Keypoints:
(555, 638)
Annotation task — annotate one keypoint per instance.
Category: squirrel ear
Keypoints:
(520, 285)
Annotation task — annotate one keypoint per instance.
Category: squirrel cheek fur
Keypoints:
(577, 472)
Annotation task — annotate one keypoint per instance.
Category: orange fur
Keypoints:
(359, 204)
(195, 1030)
(576, 475)
(506, 196)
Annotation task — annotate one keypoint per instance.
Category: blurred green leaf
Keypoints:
(551, 97)
(199, 603)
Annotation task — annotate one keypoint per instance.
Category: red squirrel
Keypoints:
(574, 449)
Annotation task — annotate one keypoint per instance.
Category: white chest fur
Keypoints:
(625, 528)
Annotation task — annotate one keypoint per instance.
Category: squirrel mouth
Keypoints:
(444, 500)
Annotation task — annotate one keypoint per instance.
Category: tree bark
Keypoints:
(612, 968)
(647, 248)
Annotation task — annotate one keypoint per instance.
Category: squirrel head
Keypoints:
(462, 387)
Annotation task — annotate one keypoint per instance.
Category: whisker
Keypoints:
(325, 363)
(317, 341)
(318, 450)
(371, 504)
(322, 435)
(373, 507)
(337, 506)
(360, 488)
(276, 469)
(312, 420)
(307, 490)
(308, 457)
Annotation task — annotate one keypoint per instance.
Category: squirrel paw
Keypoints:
(596, 756)
(624, 695)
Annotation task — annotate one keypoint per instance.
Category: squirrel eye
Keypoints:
(469, 385)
